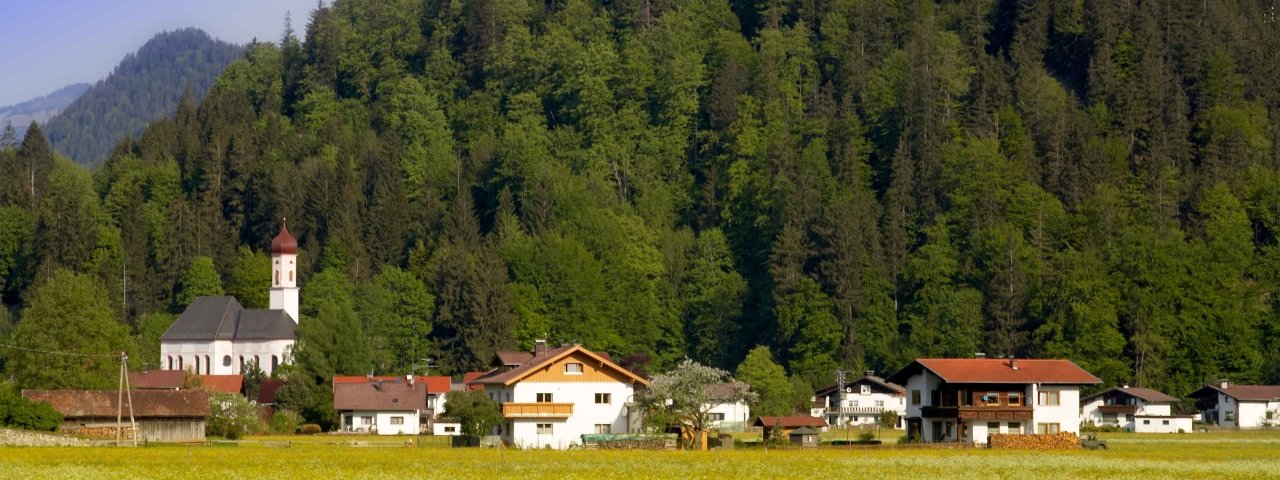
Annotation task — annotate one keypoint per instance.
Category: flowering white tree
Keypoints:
(685, 395)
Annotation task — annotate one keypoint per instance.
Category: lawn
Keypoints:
(1148, 457)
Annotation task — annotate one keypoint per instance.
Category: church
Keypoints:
(218, 336)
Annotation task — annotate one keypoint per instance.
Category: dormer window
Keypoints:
(866, 389)
(573, 369)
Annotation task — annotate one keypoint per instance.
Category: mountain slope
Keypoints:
(40, 109)
(145, 86)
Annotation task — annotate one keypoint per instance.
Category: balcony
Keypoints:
(978, 413)
(536, 410)
(1118, 409)
(855, 410)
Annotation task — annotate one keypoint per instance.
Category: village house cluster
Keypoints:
(554, 395)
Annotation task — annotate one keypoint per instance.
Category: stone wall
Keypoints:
(24, 438)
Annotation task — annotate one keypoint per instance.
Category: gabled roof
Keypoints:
(435, 384)
(547, 357)
(157, 379)
(792, 421)
(512, 359)
(223, 318)
(222, 383)
(999, 370)
(1247, 393)
(397, 396)
(1145, 394)
(867, 379)
(103, 403)
(469, 377)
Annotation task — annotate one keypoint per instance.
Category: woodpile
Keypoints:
(100, 432)
(1055, 441)
(629, 442)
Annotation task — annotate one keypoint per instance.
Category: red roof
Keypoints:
(999, 370)
(157, 379)
(793, 421)
(267, 391)
(284, 243)
(222, 383)
(105, 403)
(397, 396)
(469, 377)
(436, 383)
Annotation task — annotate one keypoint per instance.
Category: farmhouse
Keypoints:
(1140, 410)
(161, 415)
(965, 399)
(385, 407)
(1239, 406)
(861, 402)
(216, 335)
(552, 396)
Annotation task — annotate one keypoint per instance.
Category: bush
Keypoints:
(18, 412)
(232, 416)
(285, 422)
(309, 429)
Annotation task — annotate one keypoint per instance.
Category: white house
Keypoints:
(218, 336)
(1239, 406)
(728, 417)
(965, 399)
(551, 397)
(861, 402)
(1141, 410)
(385, 407)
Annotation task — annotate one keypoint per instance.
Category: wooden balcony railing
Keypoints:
(536, 410)
(1119, 409)
(856, 410)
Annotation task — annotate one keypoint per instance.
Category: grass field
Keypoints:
(1148, 457)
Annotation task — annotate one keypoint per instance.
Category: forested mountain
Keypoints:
(852, 183)
(39, 109)
(144, 87)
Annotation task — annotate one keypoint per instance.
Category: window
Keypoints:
(1146, 422)
(604, 398)
(866, 389)
(226, 360)
(275, 362)
(208, 366)
(1048, 428)
(450, 429)
(1015, 399)
(397, 420)
(1166, 422)
(879, 403)
(1049, 398)
(604, 428)
(366, 420)
(277, 278)
(1015, 427)
(544, 398)
(544, 429)
(1231, 416)
(915, 397)
(242, 364)
(171, 362)
(197, 364)
(715, 417)
(573, 369)
(991, 398)
(993, 427)
(179, 362)
(290, 275)
(855, 403)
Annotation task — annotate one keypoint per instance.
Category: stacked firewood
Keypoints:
(1055, 441)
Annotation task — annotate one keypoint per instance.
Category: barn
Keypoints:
(162, 415)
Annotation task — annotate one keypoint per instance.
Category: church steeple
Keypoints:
(284, 272)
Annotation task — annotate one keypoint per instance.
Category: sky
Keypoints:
(48, 44)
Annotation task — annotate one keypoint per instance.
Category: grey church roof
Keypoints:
(223, 318)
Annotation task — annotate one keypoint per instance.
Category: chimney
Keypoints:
(870, 373)
(539, 347)
(1224, 383)
(979, 355)
(409, 379)
(1013, 362)
(1125, 386)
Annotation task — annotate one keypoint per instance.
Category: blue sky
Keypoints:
(47, 44)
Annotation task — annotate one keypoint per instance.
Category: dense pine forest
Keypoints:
(851, 183)
(144, 87)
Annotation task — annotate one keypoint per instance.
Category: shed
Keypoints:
(804, 437)
(787, 424)
(162, 415)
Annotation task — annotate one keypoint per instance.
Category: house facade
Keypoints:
(965, 400)
(385, 407)
(1239, 406)
(1141, 410)
(218, 336)
(862, 402)
(552, 396)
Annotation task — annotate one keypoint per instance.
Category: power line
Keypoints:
(70, 354)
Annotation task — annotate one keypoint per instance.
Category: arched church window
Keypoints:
(291, 275)
(197, 364)
(170, 362)
(242, 364)
(179, 362)
(275, 362)
(277, 278)
(208, 366)
(257, 360)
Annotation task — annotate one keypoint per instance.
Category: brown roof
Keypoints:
(872, 379)
(222, 383)
(999, 370)
(1248, 393)
(267, 391)
(379, 396)
(157, 379)
(514, 359)
(1145, 394)
(146, 403)
(538, 360)
(435, 383)
(793, 421)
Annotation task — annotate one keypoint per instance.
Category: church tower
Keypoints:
(284, 273)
